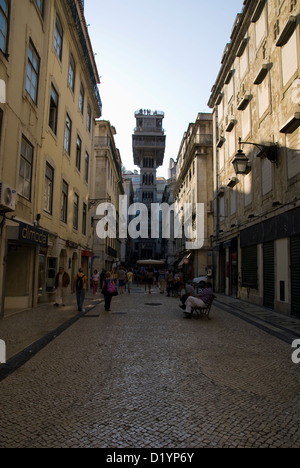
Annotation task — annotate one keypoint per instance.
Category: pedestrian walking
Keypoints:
(162, 282)
(95, 281)
(130, 276)
(62, 282)
(80, 286)
(170, 283)
(115, 275)
(150, 276)
(121, 277)
(102, 275)
(108, 290)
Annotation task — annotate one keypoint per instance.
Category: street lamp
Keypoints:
(241, 162)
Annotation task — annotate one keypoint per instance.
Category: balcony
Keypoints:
(148, 143)
(204, 139)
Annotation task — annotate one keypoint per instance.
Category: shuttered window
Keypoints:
(269, 275)
(263, 96)
(233, 201)
(246, 122)
(289, 59)
(244, 61)
(248, 189)
(249, 267)
(293, 153)
(261, 28)
(267, 179)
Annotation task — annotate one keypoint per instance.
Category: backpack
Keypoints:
(79, 282)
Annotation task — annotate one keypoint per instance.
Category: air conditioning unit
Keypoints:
(8, 197)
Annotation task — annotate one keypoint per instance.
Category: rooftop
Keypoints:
(149, 112)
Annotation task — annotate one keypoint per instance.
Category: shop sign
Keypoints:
(33, 235)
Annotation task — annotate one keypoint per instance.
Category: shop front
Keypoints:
(21, 266)
(270, 263)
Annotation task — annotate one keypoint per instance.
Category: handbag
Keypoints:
(111, 288)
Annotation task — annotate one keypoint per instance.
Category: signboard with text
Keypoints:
(33, 235)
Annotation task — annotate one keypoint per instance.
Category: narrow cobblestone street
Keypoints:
(141, 376)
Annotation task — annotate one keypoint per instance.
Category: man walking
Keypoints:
(62, 282)
(80, 286)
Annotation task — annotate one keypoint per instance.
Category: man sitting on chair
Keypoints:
(199, 302)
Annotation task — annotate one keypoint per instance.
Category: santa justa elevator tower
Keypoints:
(149, 144)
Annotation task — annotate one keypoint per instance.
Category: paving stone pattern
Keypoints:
(141, 376)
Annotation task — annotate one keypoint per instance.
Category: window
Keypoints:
(4, 22)
(75, 211)
(78, 153)
(293, 153)
(86, 167)
(53, 112)
(33, 68)
(81, 98)
(289, 59)
(148, 163)
(244, 62)
(264, 99)
(89, 118)
(40, 5)
(58, 38)
(266, 176)
(84, 219)
(233, 198)
(68, 132)
(248, 189)
(221, 206)
(51, 273)
(246, 122)
(25, 171)
(48, 190)
(64, 202)
(72, 70)
(230, 90)
(261, 28)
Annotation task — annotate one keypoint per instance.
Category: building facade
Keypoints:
(256, 98)
(149, 143)
(46, 155)
(194, 184)
(169, 244)
(108, 188)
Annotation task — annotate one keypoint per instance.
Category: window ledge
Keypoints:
(292, 124)
(287, 31)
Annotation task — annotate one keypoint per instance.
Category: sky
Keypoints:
(161, 55)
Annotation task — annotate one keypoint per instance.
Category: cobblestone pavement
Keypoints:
(141, 376)
(20, 329)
